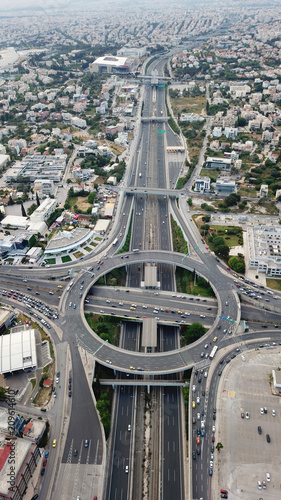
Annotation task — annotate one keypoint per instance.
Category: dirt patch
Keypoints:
(43, 397)
(82, 203)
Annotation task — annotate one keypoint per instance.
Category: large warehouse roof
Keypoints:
(111, 60)
(18, 351)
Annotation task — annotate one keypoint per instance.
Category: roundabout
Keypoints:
(152, 363)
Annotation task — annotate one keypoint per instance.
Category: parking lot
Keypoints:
(246, 456)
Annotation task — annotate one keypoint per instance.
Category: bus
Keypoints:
(115, 241)
(213, 352)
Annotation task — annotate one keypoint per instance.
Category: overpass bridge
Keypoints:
(145, 190)
(147, 382)
(146, 119)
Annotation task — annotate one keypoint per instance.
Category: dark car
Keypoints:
(212, 448)
(75, 453)
(268, 438)
(219, 373)
(259, 429)
(43, 471)
(194, 455)
(214, 416)
(224, 495)
(198, 451)
(69, 394)
(198, 432)
(193, 420)
(210, 471)
(35, 497)
(203, 393)
(199, 379)
(43, 409)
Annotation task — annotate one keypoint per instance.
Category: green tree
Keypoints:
(189, 202)
(222, 251)
(219, 446)
(31, 209)
(23, 210)
(2, 393)
(37, 200)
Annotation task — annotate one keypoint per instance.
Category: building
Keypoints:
(33, 254)
(18, 351)
(263, 193)
(4, 160)
(34, 430)
(43, 212)
(6, 318)
(15, 221)
(202, 184)
(101, 226)
(25, 455)
(225, 186)
(78, 122)
(218, 163)
(44, 186)
(276, 375)
(132, 51)
(110, 64)
(66, 242)
(264, 249)
(13, 244)
(37, 166)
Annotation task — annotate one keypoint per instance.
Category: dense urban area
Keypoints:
(140, 251)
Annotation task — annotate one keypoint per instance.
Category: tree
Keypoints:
(23, 210)
(31, 209)
(2, 393)
(37, 200)
(222, 251)
(189, 201)
(219, 446)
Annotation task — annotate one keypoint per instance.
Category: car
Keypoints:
(140, 369)
(198, 431)
(54, 443)
(264, 485)
(43, 471)
(261, 411)
(212, 457)
(132, 368)
(219, 373)
(202, 354)
(259, 485)
(268, 477)
(265, 410)
(213, 439)
(202, 412)
(268, 438)
(202, 316)
(194, 455)
(198, 416)
(43, 409)
(198, 451)
(198, 440)
(69, 394)
(203, 393)
(214, 416)
(193, 404)
(198, 400)
(210, 472)
(215, 339)
(74, 306)
(224, 495)
(46, 454)
(75, 453)
(202, 432)
(193, 388)
(129, 427)
(205, 374)
(212, 448)
(213, 429)
(259, 429)
(224, 491)
(211, 464)
(127, 469)
(193, 420)
(35, 497)
(206, 346)
(273, 413)
(199, 380)
(37, 293)
(86, 443)
(45, 462)
(247, 415)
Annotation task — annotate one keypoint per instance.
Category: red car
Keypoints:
(101, 262)
(224, 491)
(213, 439)
(37, 293)
(228, 268)
(140, 244)
(45, 463)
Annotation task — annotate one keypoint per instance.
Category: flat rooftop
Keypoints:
(149, 332)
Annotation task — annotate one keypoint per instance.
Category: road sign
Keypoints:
(161, 85)
(161, 131)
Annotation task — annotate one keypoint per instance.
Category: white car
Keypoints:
(259, 485)
(247, 415)
(206, 374)
(273, 413)
(121, 304)
(211, 464)
(127, 469)
(198, 416)
(213, 429)
(129, 427)
(268, 476)
(206, 346)
(193, 388)
(198, 400)
(202, 316)
(262, 411)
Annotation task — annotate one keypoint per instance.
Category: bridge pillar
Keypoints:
(148, 388)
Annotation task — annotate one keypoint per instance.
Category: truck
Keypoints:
(115, 241)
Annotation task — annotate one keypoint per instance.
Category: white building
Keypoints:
(264, 249)
(225, 186)
(110, 64)
(66, 242)
(38, 166)
(43, 212)
(44, 186)
(78, 122)
(18, 351)
(218, 163)
(202, 184)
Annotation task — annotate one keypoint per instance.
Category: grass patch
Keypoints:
(188, 104)
(213, 174)
(107, 327)
(98, 239)
(185, 284)
(126, 246)
(104, 396)
(88, 249)
(77, 255)
(228, 234)
(94, 244)
(247, 192)
(33, 382)
(274, 283)
(66, 258)
(179, 243)
(117, 277)
(50, 261)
